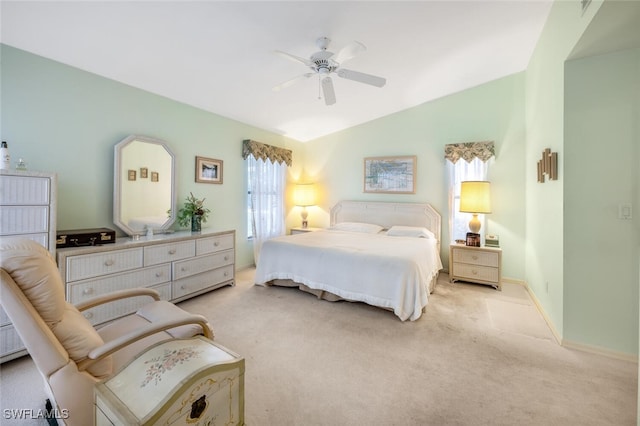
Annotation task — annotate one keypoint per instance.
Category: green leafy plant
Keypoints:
(192, 207)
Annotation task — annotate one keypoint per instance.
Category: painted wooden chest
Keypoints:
(177, 382)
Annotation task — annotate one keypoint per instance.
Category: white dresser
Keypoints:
(179, 265)
(27, 209)
(481, 265)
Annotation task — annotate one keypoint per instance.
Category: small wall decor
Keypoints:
(155, 177)
(208, 170)
(548, 165)
(132, 175)
(144, 172)
(390, 175)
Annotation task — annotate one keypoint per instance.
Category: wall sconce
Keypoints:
(475, 198)
(304, 195)
(548, 165)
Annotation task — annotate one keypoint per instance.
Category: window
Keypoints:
(265, 200)
(461, 171)
(266, 177)
(465, 161)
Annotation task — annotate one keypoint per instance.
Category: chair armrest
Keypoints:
(117, 295)
(116, 344)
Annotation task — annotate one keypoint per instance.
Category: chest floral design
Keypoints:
(170, 359)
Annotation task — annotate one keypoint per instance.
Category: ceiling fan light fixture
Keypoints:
(325, 63)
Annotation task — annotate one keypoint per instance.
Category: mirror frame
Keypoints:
(117, 179)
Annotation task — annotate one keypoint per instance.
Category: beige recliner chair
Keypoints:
(71, 355)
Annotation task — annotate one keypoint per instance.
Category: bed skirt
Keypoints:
(325, 295)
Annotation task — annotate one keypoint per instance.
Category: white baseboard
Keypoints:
(600, 351)
(546, 318)
(575, 345)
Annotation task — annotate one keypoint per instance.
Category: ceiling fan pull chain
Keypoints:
(319, 88)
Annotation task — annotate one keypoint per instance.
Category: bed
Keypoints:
(383, 254)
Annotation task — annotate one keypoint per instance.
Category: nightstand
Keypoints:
(300, 230)
(481, 265)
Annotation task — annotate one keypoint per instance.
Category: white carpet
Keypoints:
(476, 357)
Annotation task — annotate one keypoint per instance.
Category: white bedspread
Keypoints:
(384, 271)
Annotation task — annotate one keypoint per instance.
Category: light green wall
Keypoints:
(545, 129)
(602, 130)
(493, 111)
(64, 120)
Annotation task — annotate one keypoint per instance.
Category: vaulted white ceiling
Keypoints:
(219, 56)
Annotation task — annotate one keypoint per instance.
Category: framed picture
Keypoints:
(155, 177)
(132, 175)
(144, 172)
(208, 170)
(390, 175)
(473, 240)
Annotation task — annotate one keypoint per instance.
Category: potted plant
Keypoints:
(193, 213)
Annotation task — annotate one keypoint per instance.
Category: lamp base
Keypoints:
(304, 214)
(474, 224)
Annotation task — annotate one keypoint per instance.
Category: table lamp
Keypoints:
(304, 195)
(475, 198)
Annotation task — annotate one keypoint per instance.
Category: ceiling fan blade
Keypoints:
(291, 82)
(349, 51)
(362, 77)
(328, 92)
(294, 58)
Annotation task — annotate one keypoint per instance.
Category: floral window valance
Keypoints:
(262, 151)
(469, 150)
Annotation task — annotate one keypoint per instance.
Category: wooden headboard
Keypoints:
(388, 214)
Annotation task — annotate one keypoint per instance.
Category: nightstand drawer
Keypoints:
(476, 257)
(476, 272)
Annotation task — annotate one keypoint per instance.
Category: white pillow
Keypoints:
(367, 228)
(410, 231)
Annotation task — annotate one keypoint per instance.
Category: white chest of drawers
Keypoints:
(178, 265)
(482, 265)
(28, 210)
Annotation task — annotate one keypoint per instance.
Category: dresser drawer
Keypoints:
(110, 311)
(94, 265)
(207, 280)
(23, 219)
(476, 272)
(162, 253)
(200, 264)
(80, 291)
(476, 257)
(21, 190)
(214, 244)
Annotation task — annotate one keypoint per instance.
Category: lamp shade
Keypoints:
(475, 197)
(304, 194)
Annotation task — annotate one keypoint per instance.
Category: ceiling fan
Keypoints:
(323, 63)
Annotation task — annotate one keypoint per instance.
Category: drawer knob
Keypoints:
(158, 274)
(88, 315)
(474, 272)
(226, 258)
(182, 287)
(216, 243)
(183, 269)
(474, 257)
(109, 262)
(172, 251)
(226, 274)
(87, 291)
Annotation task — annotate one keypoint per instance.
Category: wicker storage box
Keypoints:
(176, 382)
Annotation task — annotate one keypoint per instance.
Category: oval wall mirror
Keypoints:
(144, 185)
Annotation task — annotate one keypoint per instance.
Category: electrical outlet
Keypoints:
(625, 211)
